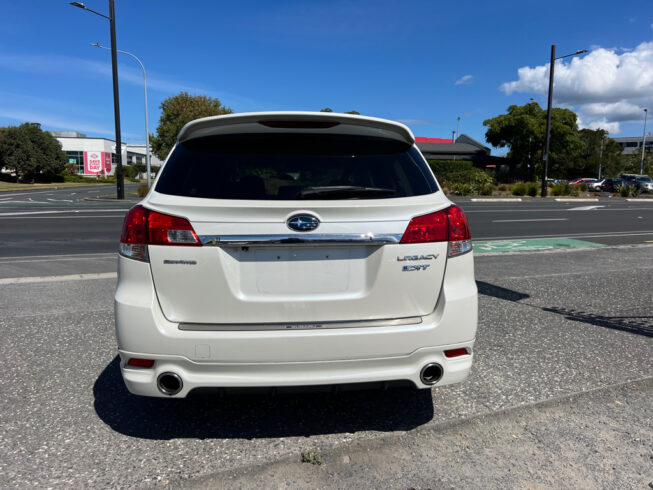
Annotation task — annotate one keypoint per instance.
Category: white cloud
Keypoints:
(604, 87)
(465, 80)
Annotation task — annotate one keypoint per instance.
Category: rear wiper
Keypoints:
(344, 192)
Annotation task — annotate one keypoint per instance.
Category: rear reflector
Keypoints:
(144, 363)
(456, 352)
(299, 124)
(144, 227)
(448, 225)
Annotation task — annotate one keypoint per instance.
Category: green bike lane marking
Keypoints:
(531, 244)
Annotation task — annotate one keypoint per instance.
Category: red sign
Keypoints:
(93, 162)
(97, 162)
(107, 162)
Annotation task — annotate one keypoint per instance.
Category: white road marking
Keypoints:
(63, 217)
(510, 199)
(60, 200)
(71, 277)
(568, 235)
(25, 213)
(585, 208)
(55, 256)
(30, 261)
(573, 199)
(523, 220)
(24, 202)
(535, 210)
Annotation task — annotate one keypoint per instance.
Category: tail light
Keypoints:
(449, 225)
(144, 227)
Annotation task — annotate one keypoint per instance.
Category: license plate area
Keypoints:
(274, 271)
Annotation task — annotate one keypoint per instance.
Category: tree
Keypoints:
(328, 109)
(178, 110)
(28, 150)
(598, 149)
(522, 130)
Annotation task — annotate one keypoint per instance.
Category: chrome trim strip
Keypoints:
(300, 239)
(205, 327)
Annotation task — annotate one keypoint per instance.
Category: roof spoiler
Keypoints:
(257, 122)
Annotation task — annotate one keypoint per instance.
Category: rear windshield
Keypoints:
(295, 166)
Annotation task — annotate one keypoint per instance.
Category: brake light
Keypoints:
(137, 362)
(144, 227)
(448, 225)
(300, 124)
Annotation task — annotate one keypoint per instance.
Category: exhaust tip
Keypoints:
(169, 383)
(431, 373)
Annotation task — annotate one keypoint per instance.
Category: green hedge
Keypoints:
(462, 178)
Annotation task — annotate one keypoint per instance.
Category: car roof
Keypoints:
(300, 122)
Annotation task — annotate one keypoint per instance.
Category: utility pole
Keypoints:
(120, 181)
(641, 165)
(601, 154)
(545, 156)
(453, 140)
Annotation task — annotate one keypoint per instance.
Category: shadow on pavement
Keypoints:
(254, 415)
(641, 325)
(495, 291)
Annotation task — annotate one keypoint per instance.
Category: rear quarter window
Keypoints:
(289, 166)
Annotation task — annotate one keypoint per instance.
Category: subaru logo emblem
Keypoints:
(303, 222)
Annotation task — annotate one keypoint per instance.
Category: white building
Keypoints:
(97, 156)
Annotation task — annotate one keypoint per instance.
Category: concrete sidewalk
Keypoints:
(598, 439)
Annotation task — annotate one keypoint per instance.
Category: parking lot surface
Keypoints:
(552, 324)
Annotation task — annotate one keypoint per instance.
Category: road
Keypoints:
(554, 328)
(562, 326)
(49, 222)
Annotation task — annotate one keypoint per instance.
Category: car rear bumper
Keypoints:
(142, 381)
(292, 357)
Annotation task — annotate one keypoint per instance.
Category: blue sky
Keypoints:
(424, 63)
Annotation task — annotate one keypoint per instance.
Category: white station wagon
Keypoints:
(296, 249)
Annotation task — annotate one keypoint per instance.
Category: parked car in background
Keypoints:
(294, 249)
(630, 179)
(582, 181)
(596, 185)
(612, 185)
(644, 183)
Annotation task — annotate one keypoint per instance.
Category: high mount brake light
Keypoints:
(448, 225)
(300, 124)
(144, 227)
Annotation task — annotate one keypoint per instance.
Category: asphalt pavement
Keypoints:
(554, 325)
(65, 221)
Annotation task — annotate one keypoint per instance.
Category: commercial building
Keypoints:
(633, 144)
(465, 148)
(97, 156)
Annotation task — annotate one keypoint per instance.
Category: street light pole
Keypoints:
(545, 156)
(120, 182)
(457, 129)
(147, 130)
(641, 165)
(547, 140)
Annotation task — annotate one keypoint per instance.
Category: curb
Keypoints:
(499, 199)
(98, 199)
(561, 199)
(640, 200)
